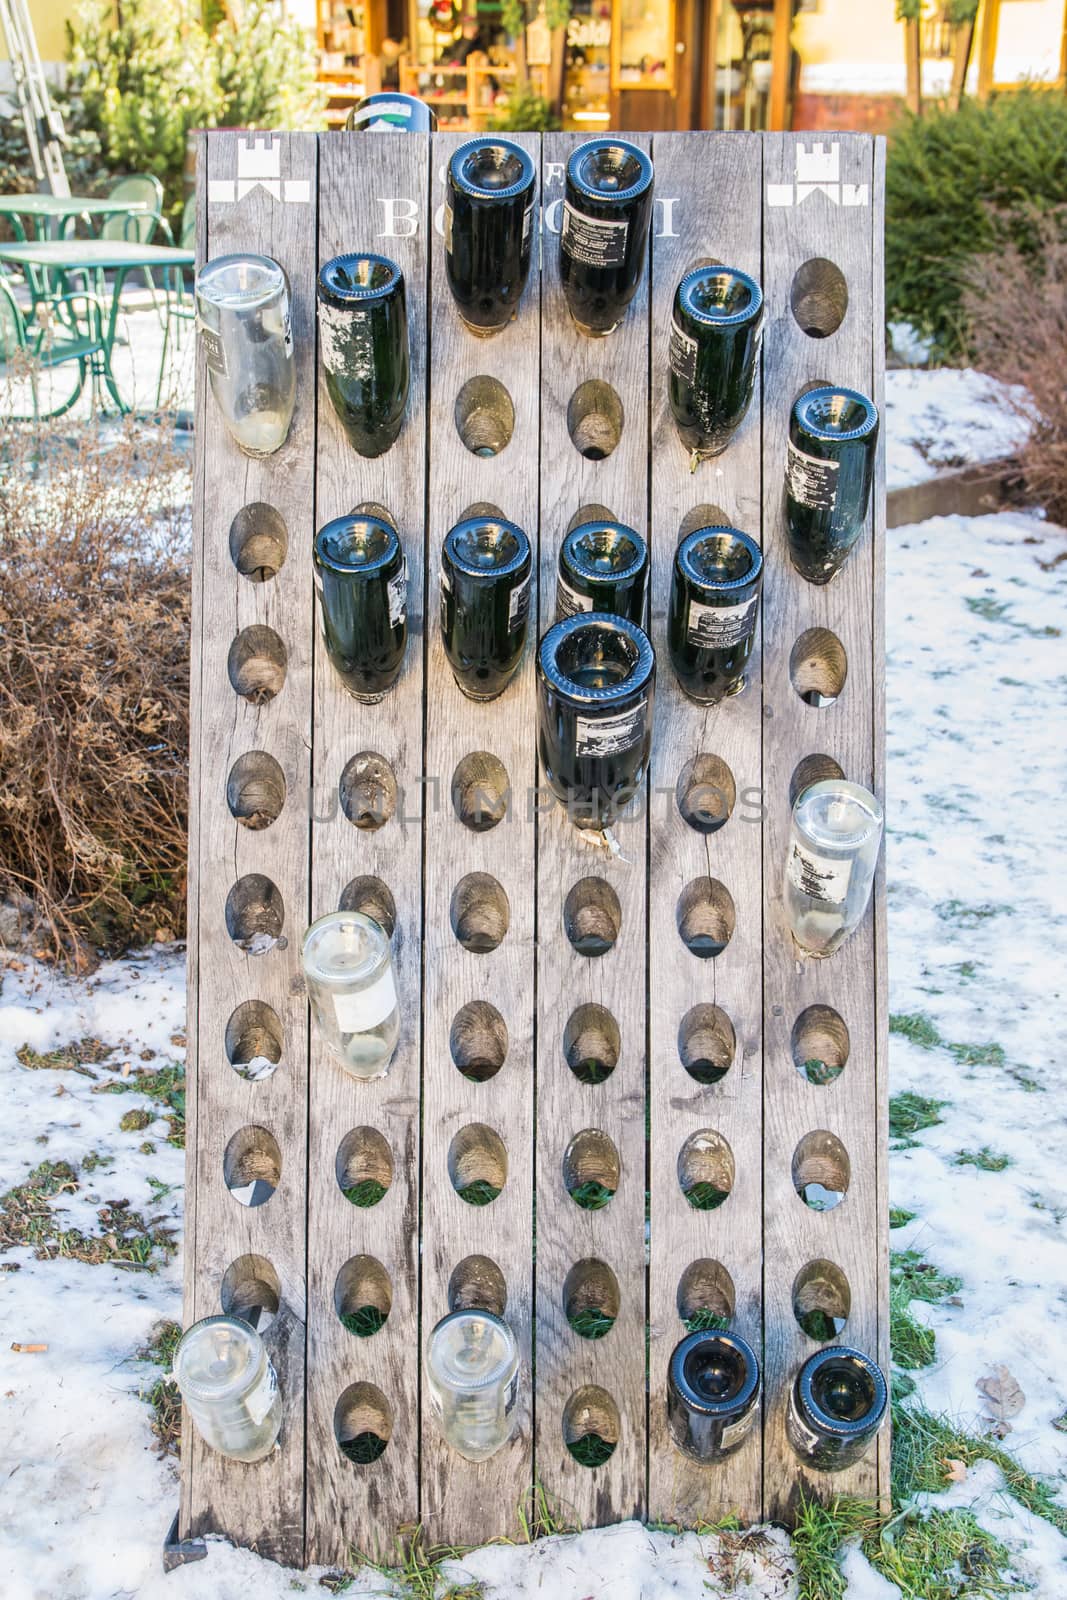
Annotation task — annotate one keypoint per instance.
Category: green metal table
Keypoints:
(94, 258)
(43, 209)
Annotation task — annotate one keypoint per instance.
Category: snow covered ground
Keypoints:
(978, 930)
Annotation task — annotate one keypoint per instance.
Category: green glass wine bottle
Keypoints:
(713, 1394)
(363, 338)
(361, 578)
(603, 566)
(596, 679)
(833, 441)
(488, 221)
(711, 619)
(716, 334)
(603, 240)
(837, 1404)
(485, 603)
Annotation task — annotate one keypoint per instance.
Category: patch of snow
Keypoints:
(864, 1582)
(945, 417)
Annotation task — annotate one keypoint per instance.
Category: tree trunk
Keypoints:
(913, 58)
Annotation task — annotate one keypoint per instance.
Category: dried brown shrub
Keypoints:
(94, 683)
(1016, 305)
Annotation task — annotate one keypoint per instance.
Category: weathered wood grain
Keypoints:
(816, 226)
(703, 1259)
(260, 1505)
(348, 1503)
(568, 1238)
(461, 1500)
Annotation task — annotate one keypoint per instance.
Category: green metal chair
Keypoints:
(73, 334)
(138, 226)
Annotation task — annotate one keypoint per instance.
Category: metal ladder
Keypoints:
(45, 133)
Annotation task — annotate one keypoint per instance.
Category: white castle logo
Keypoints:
(818, 171)
(259, 165)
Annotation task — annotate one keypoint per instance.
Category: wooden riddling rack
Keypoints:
(275, 734)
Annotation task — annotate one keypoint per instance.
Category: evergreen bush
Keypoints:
(966, 183)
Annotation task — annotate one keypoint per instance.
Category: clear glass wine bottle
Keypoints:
(228, 1384)
(246, 340)
(348, 968)
(472, 1374)
(834, 838)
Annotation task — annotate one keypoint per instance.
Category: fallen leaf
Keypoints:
(955, 1471)
(1003, 1396)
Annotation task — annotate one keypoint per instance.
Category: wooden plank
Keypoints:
(360, 207)
(457, 1494)
(260, 1124)
(832, 230)
(569, 1238)
(196, 717)
(707, 1260)
(881, 931)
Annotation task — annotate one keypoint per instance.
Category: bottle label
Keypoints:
(682, 354)
(718, 627)
(214, 351)
(519, 604)
(819, 877)
(812, 482)
(588, 239)
(570, 601)
(287, 329)
(260, 1397)
(803, 1438)
(347, 345)
(366, 1008)
(447, 228)
(737, 1429)
(398, 596)
(610, 736)
(511, 1393)
(527, 222)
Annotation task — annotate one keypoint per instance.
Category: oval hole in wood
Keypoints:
(591, 1169)
(822, 1300)
(706, 1170)
(255, 790)
(592, 916)
(477, 1284)
(257, 664)
(820, 1044)
(372, 898)
(479, 913)
(363, 1296)
(591, 1426)
(705, 1297)
(478, 1040)
(821, 1170)
(591, 1043)
(254, 1040)
(477, 1164)
(481, 791)
(252, 1166)
(706, 792)
(259, 542)
(706, 1043)
(251, 1290)
(818, 297)
(818, 667)
(367, 791)
(591, 1298)
(255, 915)
(363, 1166)
(485, 416)
(705, 917)
(595, 419)
(813, 769)
(362, 1423)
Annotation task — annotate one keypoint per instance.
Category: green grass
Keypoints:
(707, 1321)
(592, 1323)
(74, 1057)
(592, 1196)
(820, 1072)
(910, 1113)
(591, 1450)
(706, 1196)
(916, 1027)
(364, 1322)
(817, 1324)
(912, 1278)
(479, 1193)
(922, 1031)
(987, 1160)
(365, 1193)
(166, 1086)
(591, 1070)
(162, 1394)
(125, 1238)
(899, 1218)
